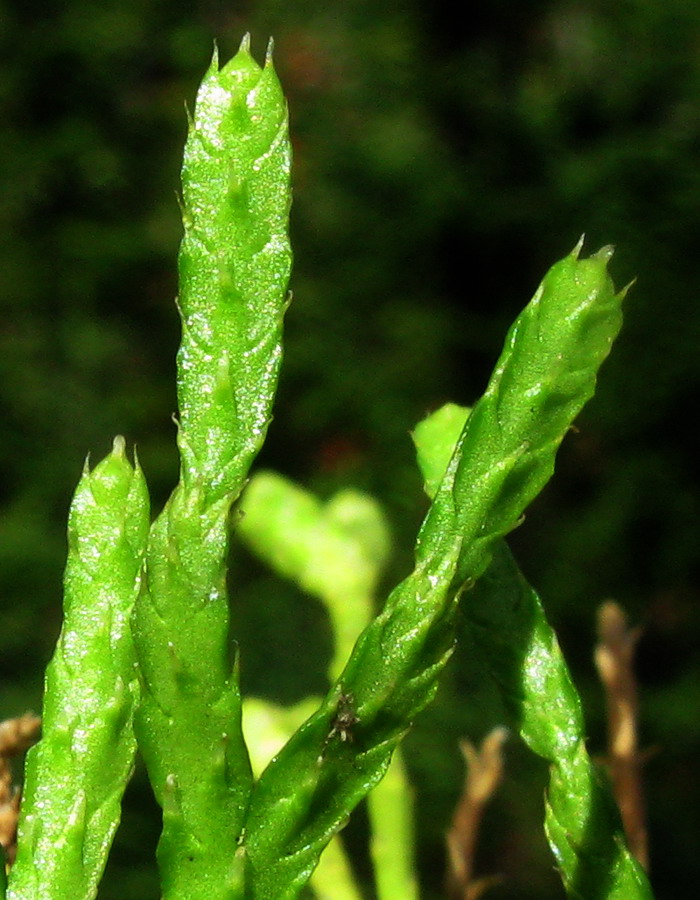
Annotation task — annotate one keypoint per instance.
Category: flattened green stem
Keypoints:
(546, 373)
(267, 728)
(234, 265)
(76, 774)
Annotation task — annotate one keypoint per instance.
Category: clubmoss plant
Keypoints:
(232, 829)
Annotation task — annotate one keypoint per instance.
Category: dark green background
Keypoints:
(440, 169)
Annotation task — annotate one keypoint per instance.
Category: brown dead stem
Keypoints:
(16, 735)
(484, 772)
(614, 656)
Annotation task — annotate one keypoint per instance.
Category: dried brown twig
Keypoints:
(484, 772)
(16, 735)
(614, 657)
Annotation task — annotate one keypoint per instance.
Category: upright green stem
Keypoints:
(335, 551)
(234, 266)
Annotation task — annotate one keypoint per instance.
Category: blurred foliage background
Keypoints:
(441, 167)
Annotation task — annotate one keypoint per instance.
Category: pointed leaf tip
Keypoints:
(214, 64)
(622, 293)
(578, 247)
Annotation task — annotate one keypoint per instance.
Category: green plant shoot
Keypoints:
(234, 266)
(505, 454)
(518, 647)
(75, 776)
(335, 551)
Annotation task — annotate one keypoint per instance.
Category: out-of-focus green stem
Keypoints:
(334, 550)
(390, 807)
